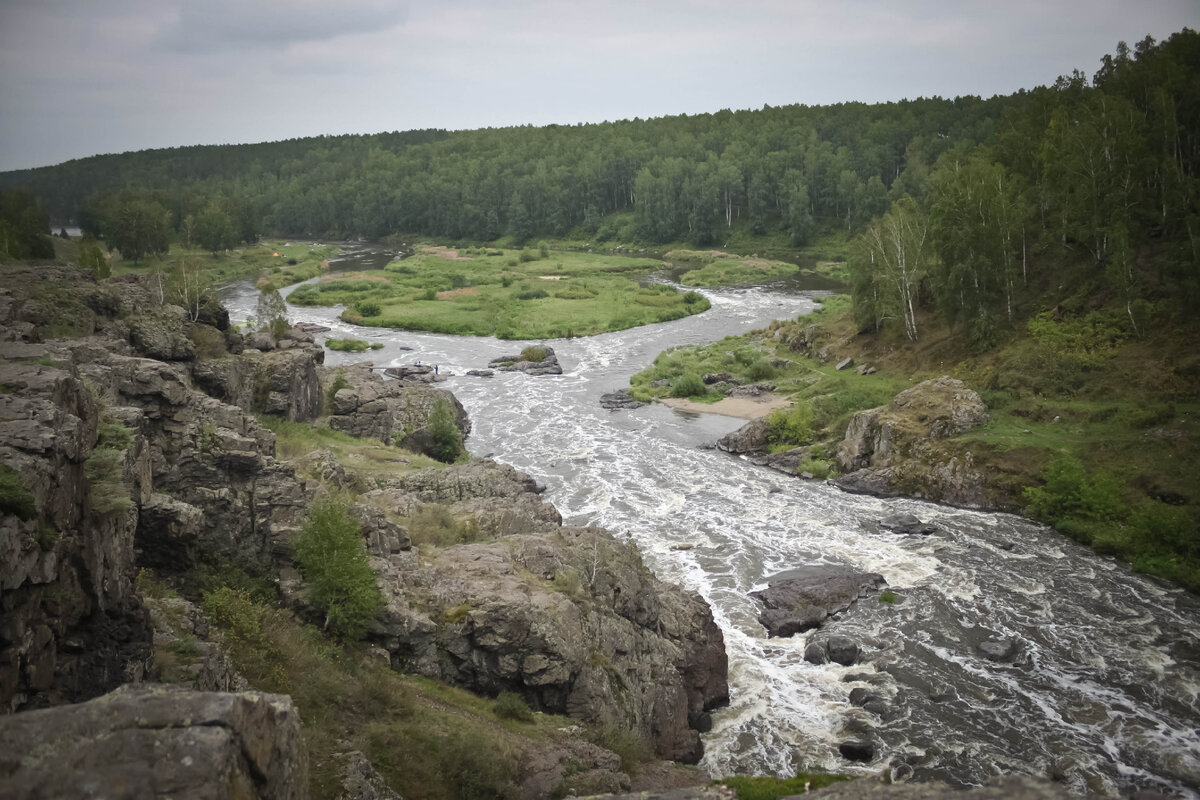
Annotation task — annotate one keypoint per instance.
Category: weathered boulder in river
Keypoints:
(156, 741)
(753, 437)
(803, 598)
(897, 448)
(547, 365)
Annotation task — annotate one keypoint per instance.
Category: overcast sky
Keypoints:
(80, 77)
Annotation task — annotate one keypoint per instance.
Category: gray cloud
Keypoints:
(82, 77)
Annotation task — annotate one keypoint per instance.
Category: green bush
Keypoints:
(14, 497)
(534, 353)
(531, 294)
(691, 298)
(688, 385)
(368, 308)
(333, 560)
(767, 788)
(510, 705)
(336, 385)
(430, 294)
(347, 345)
(1071, 493)
(791, 426)
(446, 440)
(760, 370)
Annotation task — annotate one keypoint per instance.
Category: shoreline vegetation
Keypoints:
(1100, 463)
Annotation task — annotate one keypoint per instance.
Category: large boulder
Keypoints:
(156, 741)
(899, 449)
(369, 407)
(279, 382)
(801, 599)
(571, 620)
(753, 437)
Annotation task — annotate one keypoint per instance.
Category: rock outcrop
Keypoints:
(803, 598)
(156, 741)
(897, 449)
(547, 365)
(572, 621)
(394, 412)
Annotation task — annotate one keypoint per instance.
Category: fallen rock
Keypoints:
(361, 781)
(845, 363)
(803, 598)
(480, 373)
(710, 378)
(156, 741)
(751, 390)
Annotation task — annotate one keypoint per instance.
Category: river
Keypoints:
(1104, 697)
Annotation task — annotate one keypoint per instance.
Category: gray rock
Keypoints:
(816, 653)
(855, 750)
(416, 373)
(904, 522)
(803, 598)
(571, 620)
(156, 741)
(845, 363)
(752, 437)
(361, 781)
(1000, 649)
(843, 650)
(620, 399)
(751, 390)
(900, 445)
(373, 408)
(710, 378)
(480, 373)
(547, 366)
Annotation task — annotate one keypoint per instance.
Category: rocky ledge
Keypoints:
(802, 598)
(156, 741)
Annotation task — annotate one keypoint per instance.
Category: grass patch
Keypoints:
(368, 459)
(472, 293)
(768, 788)
(352, 345)
(719, 268)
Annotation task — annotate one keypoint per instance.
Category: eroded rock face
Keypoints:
(897, 449)
(369, 407)
(72, 625)
(279, 382)
(156, 741)
(753, 437)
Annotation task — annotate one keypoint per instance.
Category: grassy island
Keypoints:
(526, 294)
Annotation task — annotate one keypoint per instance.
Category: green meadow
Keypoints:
(526, 294)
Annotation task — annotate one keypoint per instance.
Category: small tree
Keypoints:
(337, 571)
(446, 440)
(271, 312)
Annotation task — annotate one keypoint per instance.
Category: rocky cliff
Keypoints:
(134, 442)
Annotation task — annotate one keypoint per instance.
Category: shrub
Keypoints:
(335, 386)
(527, 256)
(543, 250)
(347, 345)
(533, 353)
(333, 560)
(510, 705)
(435, 525)
(368, 308)
(688, 385)
(446, 440)
(760, 370)
(1070, 493)
(531, 294)
(208, 341)
(14, 497)
(791, 426)
(691, 298)
(430, 294)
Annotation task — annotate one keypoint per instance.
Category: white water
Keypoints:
(1098, 701)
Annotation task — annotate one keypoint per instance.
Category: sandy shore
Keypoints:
(741, 407)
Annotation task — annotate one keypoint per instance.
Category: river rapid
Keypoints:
(1104, 697)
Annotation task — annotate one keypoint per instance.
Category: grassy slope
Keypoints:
(492, 292)
(1101, 425)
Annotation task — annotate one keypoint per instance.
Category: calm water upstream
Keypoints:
(1104, 699)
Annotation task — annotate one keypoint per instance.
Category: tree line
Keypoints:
(1097, 182)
